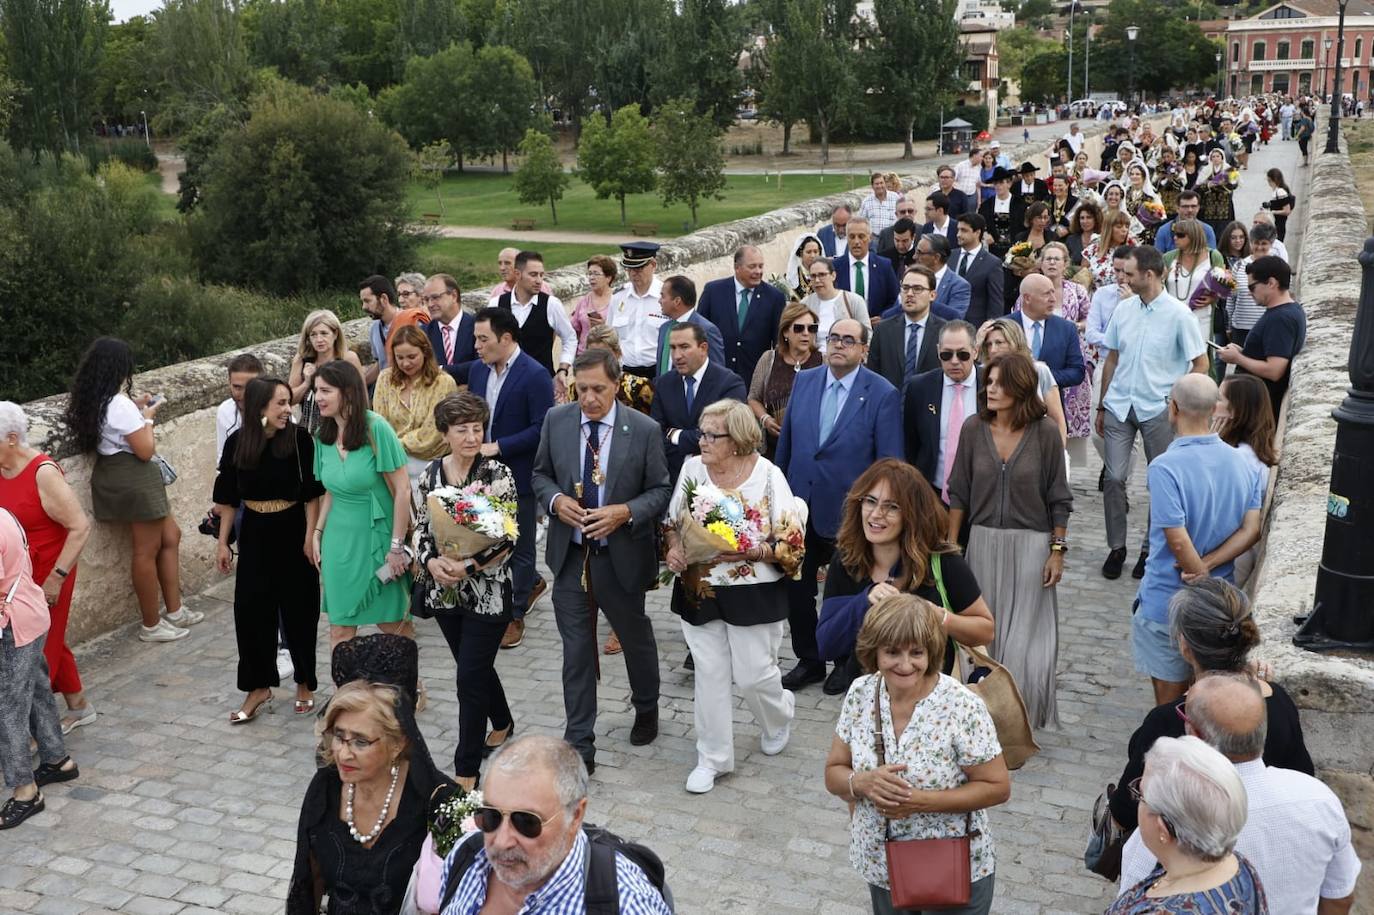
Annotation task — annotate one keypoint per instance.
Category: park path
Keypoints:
(178, 813)
(548, 236)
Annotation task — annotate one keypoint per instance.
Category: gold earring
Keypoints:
(263, 420)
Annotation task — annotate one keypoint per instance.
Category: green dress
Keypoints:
(357, 534)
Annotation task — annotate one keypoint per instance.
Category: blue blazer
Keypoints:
(714, 342)
(464, 349)
(743, 345)
(826, 234)
(961, 203)
(1059, 350)
(880, 285)
(526, 396)
(951, 299)
(868, 428)
(670, 411)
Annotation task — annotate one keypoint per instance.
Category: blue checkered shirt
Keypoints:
(564, 893)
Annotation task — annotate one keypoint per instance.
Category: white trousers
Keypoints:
(748, 657)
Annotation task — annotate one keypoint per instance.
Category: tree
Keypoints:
(557, 37)
(199, 57)
(123, 83)
(701, 62)
(540, 178)
(54, 49)
(691, 158)
(826, 60)
(299, 38)
(502, 96)
(618, 158)
(1042, 77)
(430, 105)
(1017, 45)
(427, 26)
(774, 72)
(1170, 52)
(308, 193)
(913, 62)
(628, 48)
(427, 167)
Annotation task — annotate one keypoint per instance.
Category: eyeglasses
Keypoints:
(710, 438)
(948, 355)
(431, 299)
(359, 744)
(805, 328)
(1182, 709)
(529, 825)
(819, 274)
(907, 287)
(873, 506)
(1139, 797)
(407, 294)
(844, 342)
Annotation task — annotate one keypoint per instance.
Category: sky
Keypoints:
(125, 9)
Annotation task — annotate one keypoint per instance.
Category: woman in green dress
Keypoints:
(359, 539)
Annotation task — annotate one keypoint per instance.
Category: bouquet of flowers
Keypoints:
(467, 520)
(714, 521)
(1217, 283)
(1150, 213)
(1020, 258)
(451, 819)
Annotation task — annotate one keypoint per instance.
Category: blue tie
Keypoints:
(913, 346)
(591, 498)
(830, 406)
(1035, 340)
(691, 387)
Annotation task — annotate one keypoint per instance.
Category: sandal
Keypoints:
(612, 645)
(489, 748)
(52, 773)
(304, 706)
(242, 717)
(16, 811)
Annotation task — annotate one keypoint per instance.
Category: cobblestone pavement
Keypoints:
(177, 812)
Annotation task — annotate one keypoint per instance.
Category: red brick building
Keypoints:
(1290, 48)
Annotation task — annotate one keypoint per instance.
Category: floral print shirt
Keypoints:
(488, 592)
(950, 730)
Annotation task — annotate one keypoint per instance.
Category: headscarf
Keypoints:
(1147, 188)
(1206, 170)
(795, 277)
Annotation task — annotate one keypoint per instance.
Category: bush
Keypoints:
(132, 152)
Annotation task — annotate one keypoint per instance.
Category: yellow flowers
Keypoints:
(724, 532)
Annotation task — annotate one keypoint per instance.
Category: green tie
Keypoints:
(665, 360)
(859, 278)
(743, 305)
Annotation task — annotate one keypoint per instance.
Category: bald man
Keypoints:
(505, 265)
(1053, 339)
(1296, 833)
(1205, 505)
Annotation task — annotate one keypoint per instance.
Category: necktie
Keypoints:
(448, 342)
(1035, 341)
(691, 390)
(830, 407)
(913, 347)
(743, 305)
(953, 423)
(859, 278)
(665, 358)
(591, 498)
(963, 264)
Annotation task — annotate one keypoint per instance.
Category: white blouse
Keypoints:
(122, 419)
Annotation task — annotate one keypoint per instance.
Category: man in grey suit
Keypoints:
(601, 474)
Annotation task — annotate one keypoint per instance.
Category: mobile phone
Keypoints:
(157, 399)
(1212, 345)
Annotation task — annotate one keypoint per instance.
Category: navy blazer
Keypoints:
(526, 396)
(951, 232)
(961, 203)
(951, 299)
(670, 411)
(984, 278)
(1059, 349)
(714, 342)
(880, 285)
(743, 345)
(826, 234)
(887, 348)
(464, 349)
(866, 429)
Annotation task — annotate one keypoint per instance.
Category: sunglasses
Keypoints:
(529, 825)
(805, 328)
(948, 355)
(844, 342)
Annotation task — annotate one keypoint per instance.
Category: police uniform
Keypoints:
(637, 318)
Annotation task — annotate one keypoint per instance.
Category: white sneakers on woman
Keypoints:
(702, 780)
(171, 626)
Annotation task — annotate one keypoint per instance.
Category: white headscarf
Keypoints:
(794, 261)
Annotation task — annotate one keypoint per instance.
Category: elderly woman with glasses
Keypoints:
(1192, 806)
(771, 387)
(591, 310)
(830, 304)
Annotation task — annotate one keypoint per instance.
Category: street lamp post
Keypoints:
(1132, 32)
(1326, 59)
(146, 138)
(1087, 57)
(1221, 83)
(1333, 135)
(1068, 82)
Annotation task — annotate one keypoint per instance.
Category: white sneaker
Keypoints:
(285, 669)
(774, 746)
(184, 617)
(162, 632)
(702, 780)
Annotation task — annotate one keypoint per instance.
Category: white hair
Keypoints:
(13, 421)
(520, 755)
(1198, 792)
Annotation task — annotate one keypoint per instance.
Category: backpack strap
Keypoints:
(460, 860)
(602, 889)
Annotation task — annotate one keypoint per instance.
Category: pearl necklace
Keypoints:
(381, 820)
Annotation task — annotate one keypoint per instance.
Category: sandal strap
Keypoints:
(15, 806)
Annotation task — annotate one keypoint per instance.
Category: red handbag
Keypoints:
(924, 873)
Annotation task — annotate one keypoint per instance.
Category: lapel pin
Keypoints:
(931, 408)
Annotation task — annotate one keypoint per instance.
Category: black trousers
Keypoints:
(277, 589)
(801, 596)
(475, 642)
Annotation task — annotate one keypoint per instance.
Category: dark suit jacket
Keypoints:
(1059, 350)
(826, 234)
(670, 410)
(743, 346)
(951, 232)
(526, 396)
(984, 278)
(887, 351)
(922, 398)
(866, 429)
(951, 299)
(898, 261)
(464, 350)
(880, 285)
(1040, 192)
(999, 246)
(714, 342)
(637, 476)
(960, 203)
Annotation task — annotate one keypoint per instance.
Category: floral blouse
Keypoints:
(950, 730)
(1243, 894)
(488, 592)
(635, 392)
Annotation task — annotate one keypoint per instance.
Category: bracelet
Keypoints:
(852, 795)
(60, 572)
(1101, 409)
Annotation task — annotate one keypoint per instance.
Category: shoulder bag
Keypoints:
(1103, 854)
(997, 689)
(924, 873)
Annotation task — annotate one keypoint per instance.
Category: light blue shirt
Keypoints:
(1164, 238)
(842, 395)
(1100, 311)
(1204, 486)
(378, 338)
(1155, 344)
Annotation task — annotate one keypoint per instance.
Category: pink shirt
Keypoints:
(27, 611)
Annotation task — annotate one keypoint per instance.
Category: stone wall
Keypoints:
(104, 597)
(1336, 694)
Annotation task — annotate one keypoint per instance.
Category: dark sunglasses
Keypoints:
(962, 355)
(805, 328)
(529, 825)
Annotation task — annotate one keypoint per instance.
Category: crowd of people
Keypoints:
(893, 425)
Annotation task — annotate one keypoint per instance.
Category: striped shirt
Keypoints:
(1241, 306)
(564, 893)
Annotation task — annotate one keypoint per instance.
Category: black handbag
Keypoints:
(1103, 854)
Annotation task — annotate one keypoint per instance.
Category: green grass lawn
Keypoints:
(472, 261)
(166, 203)
(485, 199)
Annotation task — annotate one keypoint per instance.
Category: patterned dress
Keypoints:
(1243, 894)
(1078, 410)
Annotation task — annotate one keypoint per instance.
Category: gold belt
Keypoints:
(270, 507)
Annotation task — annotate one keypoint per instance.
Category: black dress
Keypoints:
(275, 580)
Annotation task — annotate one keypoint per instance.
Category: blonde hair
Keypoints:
(1012, 331)
(1058, 246)
(1110, 220)
(374, 699)
(605, 335)
(902, 621)
(326, 317)
(740, 425)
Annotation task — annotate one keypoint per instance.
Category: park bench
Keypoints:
(523, 225)
(644, 228)
(430, 219)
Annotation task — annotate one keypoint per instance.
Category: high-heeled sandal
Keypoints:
(461, 782)
(304, 706)
(489, 748)
(242, 717)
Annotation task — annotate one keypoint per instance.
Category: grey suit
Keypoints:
(619, 573)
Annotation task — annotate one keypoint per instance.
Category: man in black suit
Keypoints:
(930, 399)
(982, 270)
(1030, 189)
(746, 310)
(680, 395)
(902, 248)
(450, 329)
(959, 202)
(906, 347)
(906, 209)
(938, 218)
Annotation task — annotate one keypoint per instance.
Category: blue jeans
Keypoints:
(27, 707)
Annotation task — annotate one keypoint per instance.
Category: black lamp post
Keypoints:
(1333, 135)
(1131, 33)
(1342, 615)
(1326, 58)
(1221, 82)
